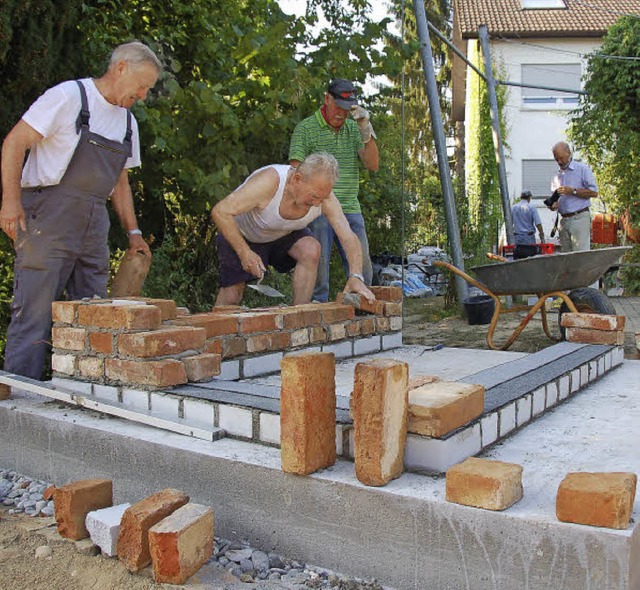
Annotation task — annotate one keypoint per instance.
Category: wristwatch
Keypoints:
(134, 232)
(575, 191)
(357, 276)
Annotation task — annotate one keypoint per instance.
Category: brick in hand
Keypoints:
(181, 543)
(133, 539)
(380, 401)
(308, 412)
(75, 500)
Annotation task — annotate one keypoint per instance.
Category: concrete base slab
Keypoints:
(405, 534)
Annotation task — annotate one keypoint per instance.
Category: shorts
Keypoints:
(272, 254)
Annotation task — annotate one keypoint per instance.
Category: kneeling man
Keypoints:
(264, 221)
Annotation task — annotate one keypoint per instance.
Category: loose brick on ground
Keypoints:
(66, 338)
(597, 499)
(594, 321)
(380, 401)
(484, 483)
(75, 500)
(308, 412)
(587, 336)
(133, 540)
(162, 342)
(202, 367)
(121, 317)
(440, 407)
(164, 373)
(181, 543)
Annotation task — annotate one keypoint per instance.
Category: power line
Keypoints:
(558, 50)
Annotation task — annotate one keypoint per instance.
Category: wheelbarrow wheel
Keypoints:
(586, 300)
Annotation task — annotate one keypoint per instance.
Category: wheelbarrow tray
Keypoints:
(545, 273)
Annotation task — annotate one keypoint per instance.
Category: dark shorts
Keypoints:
(275, 254)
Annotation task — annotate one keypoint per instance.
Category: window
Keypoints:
(537, 175)
(550, 76)
(542, 4)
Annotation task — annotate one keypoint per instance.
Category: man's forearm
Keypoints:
(370, 156)
(353, 251)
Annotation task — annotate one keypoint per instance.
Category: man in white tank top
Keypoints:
(264, 222)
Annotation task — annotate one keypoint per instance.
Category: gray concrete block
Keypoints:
(436, 455)
(341, 350)
(538, 401)
(489, 428)
(135, 399)
(523, 410)
(83, 387)
(167, 406)
(261, 365)
(507, 421)
(390, 341)
(229, 370)
(368, 345)
(552, 394)
(108, 393)
(198, 413)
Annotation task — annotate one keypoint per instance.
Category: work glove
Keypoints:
(361, 116)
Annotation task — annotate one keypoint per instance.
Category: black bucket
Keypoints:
(479, 309)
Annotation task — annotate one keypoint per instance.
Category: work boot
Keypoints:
(5, 391)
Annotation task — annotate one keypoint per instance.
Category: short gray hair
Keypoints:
(135, 53)
(320, 163)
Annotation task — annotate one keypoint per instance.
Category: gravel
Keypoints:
(23, 494)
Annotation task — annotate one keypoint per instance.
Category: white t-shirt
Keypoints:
(54, 116)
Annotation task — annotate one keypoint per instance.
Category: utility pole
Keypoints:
(441, 147)
(483, 35)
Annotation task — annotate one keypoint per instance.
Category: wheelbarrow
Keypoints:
(544, 276)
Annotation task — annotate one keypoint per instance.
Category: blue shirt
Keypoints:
(576, 175)
(525, 219)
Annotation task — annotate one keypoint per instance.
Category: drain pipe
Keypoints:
(453, 228)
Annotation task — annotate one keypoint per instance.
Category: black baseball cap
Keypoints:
(526, 195)
(343, 92)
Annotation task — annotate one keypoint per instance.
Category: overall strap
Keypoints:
(83, 116)
(127, 137)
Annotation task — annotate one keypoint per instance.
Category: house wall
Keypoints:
(532, 131)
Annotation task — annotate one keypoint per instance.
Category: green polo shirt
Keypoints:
(314, 134)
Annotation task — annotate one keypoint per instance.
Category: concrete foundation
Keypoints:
(405, 533)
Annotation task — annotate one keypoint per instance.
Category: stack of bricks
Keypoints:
(146, 343)
(592, 328)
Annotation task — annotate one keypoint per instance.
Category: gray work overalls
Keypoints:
(65, 244)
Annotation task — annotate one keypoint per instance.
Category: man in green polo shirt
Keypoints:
(331, 130)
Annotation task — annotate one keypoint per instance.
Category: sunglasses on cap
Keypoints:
(345, 95)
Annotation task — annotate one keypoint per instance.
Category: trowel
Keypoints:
(265, 289)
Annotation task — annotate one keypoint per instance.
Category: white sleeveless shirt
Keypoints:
(267, 225)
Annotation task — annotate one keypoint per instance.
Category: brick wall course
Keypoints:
(214, 324)
(308, 412)
(259, 322)
(271, 341)
(168, 308)
(75, 500)
(181, 543)
(484, 483)
(597, 499)
(64, 337)
(360, 303)
(122, 317)
(163, 373)
(380, 402)
(300, 316)
(168, 340)
(133, 540)
(336, 312)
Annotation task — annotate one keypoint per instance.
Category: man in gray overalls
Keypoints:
(82, 139)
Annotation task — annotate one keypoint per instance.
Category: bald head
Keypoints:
(562, 154)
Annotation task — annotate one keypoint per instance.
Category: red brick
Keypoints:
(597, 499)
(124, 317)
(300, 316)
(64, 311)
(336, 312)
(91, 367)
(181, 543)
(308, 412)
(234, 346)
(270, 341)
(382, 324)
(164, 373)
(421, 380)
(367, 326)
(161, 342)
(380, 401)
(215, 324)
(259, 322)
(101, 342)
(300, 337)
(393, 294)
(68, 338)
(5, 391)
(483, 483)
(75, 500)
(168, 308)
(227, 308)
(361, 303)
(48, 493)
(202, 367)
(393, 309)
(588, 336)
(317, 334)
(594, 321)
(213, 345)
(133, 539)
(353, 329)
